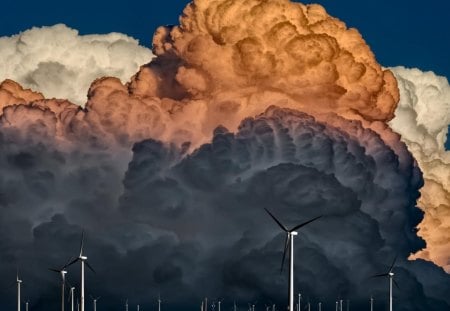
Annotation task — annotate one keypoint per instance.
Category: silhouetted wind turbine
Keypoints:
(94, 300)
(389, 274)
(19, 283)
(71, 297)
(289, 243)
(83, 260)
(63, 273)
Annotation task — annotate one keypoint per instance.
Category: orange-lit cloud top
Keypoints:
(229, 60)
(422, 118)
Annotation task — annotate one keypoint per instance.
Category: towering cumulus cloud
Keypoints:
(422, 119)
(60, 63)
(247, 105)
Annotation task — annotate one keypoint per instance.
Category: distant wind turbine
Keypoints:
(299, 302)
(83, 260)
(94, 300)
(289, 243)
(126, 305)
(62, 272)
(371, 303)
(19, 283)
(72, 297)
(389, 274)
(159, 302)
(26, 306)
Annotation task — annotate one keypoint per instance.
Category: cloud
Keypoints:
(246, 105)
(422, 118)
(60, 63)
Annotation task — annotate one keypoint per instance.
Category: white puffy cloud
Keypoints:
(422, 118)
(60, 63)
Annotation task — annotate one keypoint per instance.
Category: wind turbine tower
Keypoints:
(94, 300)
(72, 298)
(19, 283)
(389, 274)
(299, 302)
(63, 273)
(83, 259)
(289, 243)
(371, 303)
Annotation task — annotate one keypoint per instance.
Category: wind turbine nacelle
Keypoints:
(294, 233)
(391, 274)
(83, 257)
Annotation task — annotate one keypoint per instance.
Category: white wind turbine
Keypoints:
(83, 260)
(389, 274)
(71, 297)
(159, 302)
(62, 273)
(19, 283)
(94, 301)
(371, 303)
(289, 243)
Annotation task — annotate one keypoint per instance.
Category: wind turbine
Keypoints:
(219, 302)
(126, 305)
(299, 302)
(63, 273)
(159, 302)
(320, 306)
(94, 300)
(289, 243)
(83, 260)
(389, 274)
(71, 297)
(19, 283)
(371, 303)
(26, 306)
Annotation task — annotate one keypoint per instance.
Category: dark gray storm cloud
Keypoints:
(190, 226)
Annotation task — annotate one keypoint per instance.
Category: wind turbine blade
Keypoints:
(305, 223)
(82, 242)
(276, 220)
(54, 270)
(393, 263)
(286, 246)
(89, 266)
(72, 262)
(379, 275)
(395, 282)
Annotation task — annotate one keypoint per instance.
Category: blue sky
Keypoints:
(400, 32)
